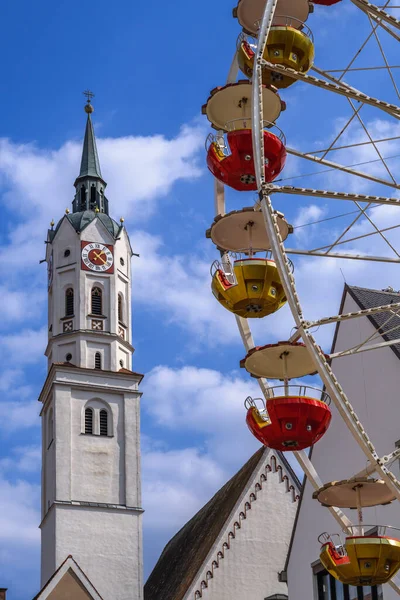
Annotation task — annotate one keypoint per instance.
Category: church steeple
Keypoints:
(90, 184)
(90, 164)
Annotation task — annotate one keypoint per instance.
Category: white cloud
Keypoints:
(179, 286)
(26, 459)
(37, 182)
(19, 513)
(24, 347)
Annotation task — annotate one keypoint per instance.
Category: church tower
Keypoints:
(91, 500)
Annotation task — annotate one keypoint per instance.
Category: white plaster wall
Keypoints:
(67, 273)
(97, 462)
(372, 382)
(107, 545)
(249, 569)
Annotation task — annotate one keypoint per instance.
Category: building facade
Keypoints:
(371, 381)
(236, 546)
(91, 497)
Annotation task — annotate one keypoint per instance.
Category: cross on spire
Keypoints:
(89, 95)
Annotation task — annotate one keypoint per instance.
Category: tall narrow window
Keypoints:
(97, 301)
(50, 428)
(97, 360)
(93, 199)
(89, 420)
(83, 198)
(103, 422)
(120, 308)
(69, 302)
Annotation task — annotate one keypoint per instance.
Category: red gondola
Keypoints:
(290, 422)
(326, 2)
(233, 164)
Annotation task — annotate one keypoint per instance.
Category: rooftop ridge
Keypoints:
(271, 465)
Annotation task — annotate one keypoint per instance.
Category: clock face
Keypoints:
(97, 257)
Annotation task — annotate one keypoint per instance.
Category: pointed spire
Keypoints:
(90, 184)
(90, 164)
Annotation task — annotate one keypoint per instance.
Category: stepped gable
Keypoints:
(368, 298)
(184, 555)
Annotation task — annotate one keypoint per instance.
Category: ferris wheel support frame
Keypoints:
(278, 251)
(378, 13)
(296, 191)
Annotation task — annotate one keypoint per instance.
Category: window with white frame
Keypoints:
(97, 301)
(97, 418)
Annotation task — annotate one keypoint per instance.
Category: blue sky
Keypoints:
(151, 66)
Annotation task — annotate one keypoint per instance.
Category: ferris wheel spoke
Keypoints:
(312, 192)
(365, 128)
(334, 165)
(390, 31)
(384, 57)
(340, 89)
(347, 146)
(352, 315)
(388, 459)
(316, 482)
(342, 255)
(379, 13)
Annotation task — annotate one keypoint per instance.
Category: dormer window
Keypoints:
(97, 301)
(69, 302)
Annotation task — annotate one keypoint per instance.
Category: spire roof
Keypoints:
(90, 164)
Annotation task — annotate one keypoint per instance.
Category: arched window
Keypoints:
(120, 309)
(50, 428)
(103, 422)
(97, 360)
(89, 420)
(69, 302)
(97, 301)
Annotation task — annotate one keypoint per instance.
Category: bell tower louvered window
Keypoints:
(69, 302)
(103, 422)
(97, 360)
(89, 420)
(97, 301)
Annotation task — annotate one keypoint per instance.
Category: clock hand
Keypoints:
(98, 256)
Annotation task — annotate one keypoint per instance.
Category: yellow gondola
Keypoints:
(363, 559)
(286, 46)
(252, 289)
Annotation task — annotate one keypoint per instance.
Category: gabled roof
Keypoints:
(72, 579)
(367, 298)
(185, 553)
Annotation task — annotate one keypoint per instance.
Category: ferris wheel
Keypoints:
(254, 276)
